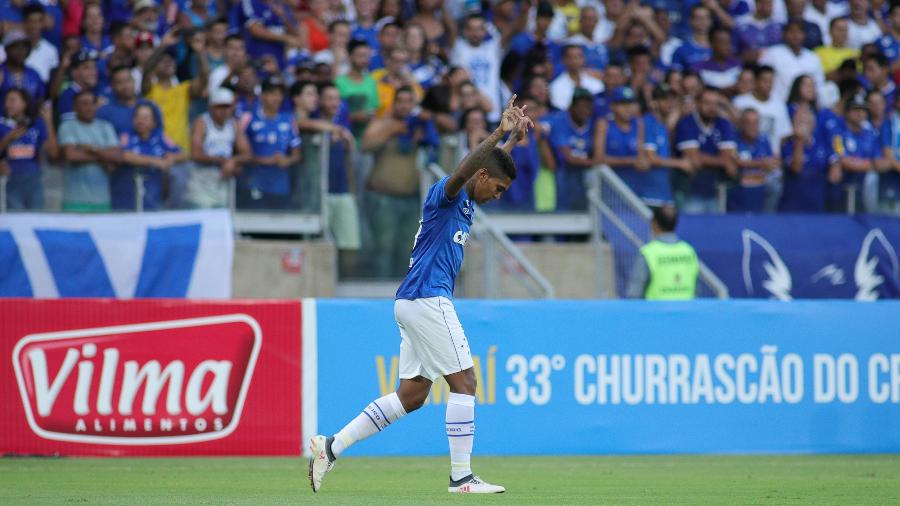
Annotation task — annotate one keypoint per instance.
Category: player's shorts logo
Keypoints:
(171, 382)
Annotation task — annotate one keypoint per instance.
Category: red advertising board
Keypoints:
(150, 377)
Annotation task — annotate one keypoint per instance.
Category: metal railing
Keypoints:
(492, 238)
(623, 220)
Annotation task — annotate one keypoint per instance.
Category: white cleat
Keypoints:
(472, 484)
(319, 461)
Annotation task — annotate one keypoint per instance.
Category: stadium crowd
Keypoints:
(780, 105)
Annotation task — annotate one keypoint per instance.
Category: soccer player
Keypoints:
(433, 343)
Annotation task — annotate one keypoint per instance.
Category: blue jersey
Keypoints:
(690, 133)
(368, 34)
(337, 157)
(105, 46)
(29, 80)
(122, 181)
(656, 186)
(270, 136)
(120, 115)
(571, 193)
(890, 137)
(865, 144)
(890, 47)
(689, 54)
(601, 105)
(437, 251)
(23, 153)
(750, 195)
(804, 192)
(258, 11)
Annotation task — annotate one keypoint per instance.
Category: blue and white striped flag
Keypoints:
(166, 254)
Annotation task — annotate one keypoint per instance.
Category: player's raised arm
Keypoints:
(475, 159)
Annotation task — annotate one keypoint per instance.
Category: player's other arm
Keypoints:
(474, 161)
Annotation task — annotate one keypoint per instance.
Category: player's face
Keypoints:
(489, 187)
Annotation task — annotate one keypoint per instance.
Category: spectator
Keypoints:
(246, 87)
(575, 76)
(364, 28)
(23, 137)
(795, 12)
(889, 43)
(810, 163)
(343, 213)
(392, 196)
(216, 33)
(90, 149)
(119, 109)
(474, 127)
(14, 73)
(862, 28)
(822, 13)
(358, 89)
(147, 157)
(43, 57)
(146, 17)
(143, 50)
(755, 162)
(802, 96)
(754, 33)
(425, 67)
(528, 150)
(270, 29)
(435, 20)
(572, 140)
(523, 42)
(235, 54)
(481, 57)
(388, 39)
(219, 147)
(722, 69)
(746, 81)
(275, 144)
(619, 139)
(614, 77)
(92, 25)
(643, 75)
(774, 123)
(395, 75)
(160, 85)
(85, 76)
(695, 49)
(313, 29)
(336, 52)
(834, 55)
(876, 70)
(708, 140)
(666, 267)
(790, 60)
(859, 148)
(889, 179)
(659, 121)
(596, 57)
(726, 12)
(122, 54)
(672, 43)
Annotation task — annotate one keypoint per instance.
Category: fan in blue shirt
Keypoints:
(809, 162)
(859, 148)
(657, 190)
(889, 181)
(146, 154)
(618, 140)
(119, 111)
(266, 24)
(755, 162)
(14, 73)
(84, 77)
(572, 140)
(696, 47)
(709, 142)
(22, 140)
(275, 142)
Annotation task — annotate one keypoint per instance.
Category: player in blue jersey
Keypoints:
(432, 343)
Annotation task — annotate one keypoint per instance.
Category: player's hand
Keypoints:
(511, 116)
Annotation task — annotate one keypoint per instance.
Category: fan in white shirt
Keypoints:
(563, 87)
(862, 28)
(791, 60)
(773, 116)
(481, 57)
(44, 57)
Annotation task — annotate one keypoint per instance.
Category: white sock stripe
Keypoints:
(460, 429)
(374, 413)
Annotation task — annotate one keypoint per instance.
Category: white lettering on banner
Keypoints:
(541, 366)
(882, 390)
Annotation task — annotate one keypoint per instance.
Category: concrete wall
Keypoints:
(283, 269)
(571, 268)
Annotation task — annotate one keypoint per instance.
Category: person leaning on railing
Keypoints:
(666, 268)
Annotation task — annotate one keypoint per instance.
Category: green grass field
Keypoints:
(843, 479)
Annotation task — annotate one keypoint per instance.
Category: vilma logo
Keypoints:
(158, 383)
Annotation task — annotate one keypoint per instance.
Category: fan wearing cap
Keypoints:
(14, 73)
(859, 148)
(572, 140)
(619, 139)
(146, 16)
(84, 74)
(219, 147)
(275, 144)
(708, 140)
(160, 85)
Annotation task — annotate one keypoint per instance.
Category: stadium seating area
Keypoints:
(713, 105)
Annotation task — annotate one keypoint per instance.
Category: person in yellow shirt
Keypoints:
(834, 55)
(395, 75)
(160, 85)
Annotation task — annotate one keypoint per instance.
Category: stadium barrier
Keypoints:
(175, 377)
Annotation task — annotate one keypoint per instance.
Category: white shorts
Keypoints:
(433, 343)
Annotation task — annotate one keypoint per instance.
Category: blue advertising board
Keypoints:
(565, 377)
(787, 256)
